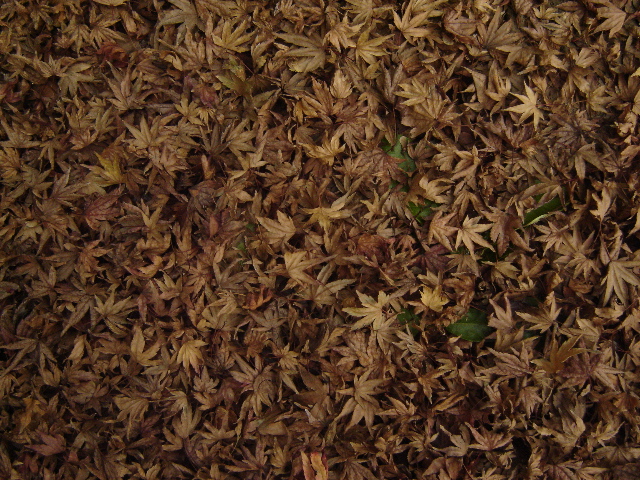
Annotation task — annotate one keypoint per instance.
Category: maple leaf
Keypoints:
(186, 423)
(372, 311)
(460, 442)
(138, 352)
(511, 365)
(52, 444)
(614, 18)
(315, 466)
(410, 25)
(128, 96)
(434, 188)
(326, 152)
(190, 354)
(132, 408)
(458, 24)
(184, 15)
(469, 234)
(296, 263)
(433, 298)
(374, 247)
(73, 76)
(110, 171)
(546, 317)
(324, 215)
(310, 56)
(255, 300)
(528, 108)
(603, 204)
(362, 404)
(233, 37)
(498, 36)
(619, 275)
(324, 292)
(504, 231)
(558, 355)
(280, 231)
(439, 230)
(487, 440)
(369, 48)
(340, 34)
(340, 86)
(434, 259)
(146, 137)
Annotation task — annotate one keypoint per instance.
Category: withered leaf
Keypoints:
(298, 239)
(52, 444)
(102, 208)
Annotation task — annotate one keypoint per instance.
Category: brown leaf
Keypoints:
(515, 364)
(373, 247)
(102, 208)
(52, 444)
(255, 300)
(315, 466)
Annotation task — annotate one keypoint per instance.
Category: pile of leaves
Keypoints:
(319, 239)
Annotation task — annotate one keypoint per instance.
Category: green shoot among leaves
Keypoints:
(537, 214)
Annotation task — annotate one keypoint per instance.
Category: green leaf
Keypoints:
(473, 326)
(407, 317)
(408, 165)
(542, 211)
(397, 151)
(403, 188)
(240, 245)
(421, 211)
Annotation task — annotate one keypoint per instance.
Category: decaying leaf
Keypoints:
(313, 240)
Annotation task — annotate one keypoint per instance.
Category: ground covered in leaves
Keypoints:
(319, 239)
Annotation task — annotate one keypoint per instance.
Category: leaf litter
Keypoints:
(318, 239)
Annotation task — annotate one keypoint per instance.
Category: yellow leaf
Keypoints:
(371, 312)
(324, 215)
(433, 299)
(190, 354)
(111, 169)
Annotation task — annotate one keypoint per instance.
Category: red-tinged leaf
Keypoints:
(51, 444)
(102, 208)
